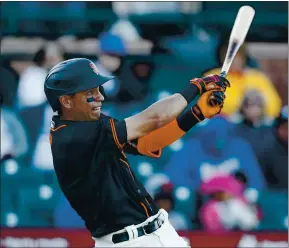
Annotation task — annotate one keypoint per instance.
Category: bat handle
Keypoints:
(223, 74)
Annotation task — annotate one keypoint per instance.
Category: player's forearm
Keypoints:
(159, 113)
(167, 134)
(165, 110)
(170, 107)
(155, 116)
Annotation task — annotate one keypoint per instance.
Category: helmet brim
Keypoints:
(92, 83)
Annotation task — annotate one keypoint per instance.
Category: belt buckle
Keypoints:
(160, 222)
(144, 230)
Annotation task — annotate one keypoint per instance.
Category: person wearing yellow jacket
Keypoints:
(243, 78)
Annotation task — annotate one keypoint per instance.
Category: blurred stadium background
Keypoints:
(154, 49)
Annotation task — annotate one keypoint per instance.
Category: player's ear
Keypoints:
(65, 101)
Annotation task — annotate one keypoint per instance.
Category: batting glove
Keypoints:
(203, 109)
(211, 82)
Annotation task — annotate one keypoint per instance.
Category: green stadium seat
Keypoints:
(14, 175)
(36, 206)
(185, 200)
(274, 205)
(9, 203)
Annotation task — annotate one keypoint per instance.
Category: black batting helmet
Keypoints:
(71, 76)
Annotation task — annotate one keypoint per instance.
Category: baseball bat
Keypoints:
(238, 34)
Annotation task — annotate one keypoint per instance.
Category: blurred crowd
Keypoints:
(228, 173)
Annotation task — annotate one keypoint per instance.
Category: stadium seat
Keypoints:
(15, 176)
(274, 206)
(36, 206)
(8, 206)
(185, 201)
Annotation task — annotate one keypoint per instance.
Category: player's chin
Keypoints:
(95, 114)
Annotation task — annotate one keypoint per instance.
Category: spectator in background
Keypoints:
(243, 78)
(251, 122)
(251, 195)
(42, 156)
(112, 49)
(30, 89)
(165, 200)
(54, 54)
(14, 140)
(252, 110)
(211, 152)
(146, 7)
(273, 153)
(31, 98)
(123, 27)
(227, 209)
(135, 76)
(8, 84)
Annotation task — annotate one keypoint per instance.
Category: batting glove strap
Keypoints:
(197, 113)
(211, 82)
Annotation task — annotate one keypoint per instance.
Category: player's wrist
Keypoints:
(190, 118)
(190, 92)
(197, 113)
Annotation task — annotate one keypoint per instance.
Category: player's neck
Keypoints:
(72, 116)
(68, 116)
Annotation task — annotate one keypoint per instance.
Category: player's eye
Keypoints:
(89, 93)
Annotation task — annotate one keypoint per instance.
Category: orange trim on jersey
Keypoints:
(114, 134)
(145, 208)
(156, 140)
(123, 154)
(127, 167)
(50, 139)
(55, 129)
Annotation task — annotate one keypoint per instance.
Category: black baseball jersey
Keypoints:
(95, 176)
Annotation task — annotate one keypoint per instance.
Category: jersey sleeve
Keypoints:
(115, 133)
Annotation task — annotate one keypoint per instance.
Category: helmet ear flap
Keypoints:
(101, 90)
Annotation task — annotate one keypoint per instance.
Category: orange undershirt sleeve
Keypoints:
(151, 144)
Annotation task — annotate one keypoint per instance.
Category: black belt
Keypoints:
(142, 230)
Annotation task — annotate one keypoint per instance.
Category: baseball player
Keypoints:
(89, 152)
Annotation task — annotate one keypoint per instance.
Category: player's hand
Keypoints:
(204, 110)
(211, 82)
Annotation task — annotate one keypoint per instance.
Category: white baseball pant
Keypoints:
(165, 236)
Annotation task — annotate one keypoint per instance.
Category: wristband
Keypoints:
(190, 118)
(190, 92)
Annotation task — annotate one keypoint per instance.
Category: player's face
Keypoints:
(86, 105)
